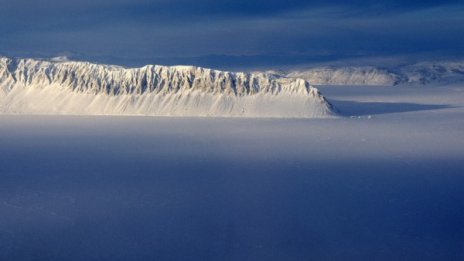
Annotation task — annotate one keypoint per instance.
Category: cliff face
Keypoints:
(55, 87)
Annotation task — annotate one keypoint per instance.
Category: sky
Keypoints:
(232, 33)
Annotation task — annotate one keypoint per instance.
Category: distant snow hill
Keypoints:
(425, 73)
(59, 86)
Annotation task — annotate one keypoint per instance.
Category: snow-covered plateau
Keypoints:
(59, 86)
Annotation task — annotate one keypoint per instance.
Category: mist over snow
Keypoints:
(382, 183)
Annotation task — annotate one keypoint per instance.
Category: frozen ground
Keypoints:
(386, 184)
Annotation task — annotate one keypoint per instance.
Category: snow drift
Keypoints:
(58, 86)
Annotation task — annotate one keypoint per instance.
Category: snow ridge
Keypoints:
(366, 75)
(59, 86)
(423, 73)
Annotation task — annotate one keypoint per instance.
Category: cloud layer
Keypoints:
(230, 32)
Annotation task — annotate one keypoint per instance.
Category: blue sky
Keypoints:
(232, 33)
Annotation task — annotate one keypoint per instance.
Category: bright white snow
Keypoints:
(29, 86)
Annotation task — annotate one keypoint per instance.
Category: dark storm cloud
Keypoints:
(216, 33)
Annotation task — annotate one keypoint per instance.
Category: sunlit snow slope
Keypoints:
(31, 86)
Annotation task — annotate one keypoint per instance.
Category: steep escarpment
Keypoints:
(32, 86)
